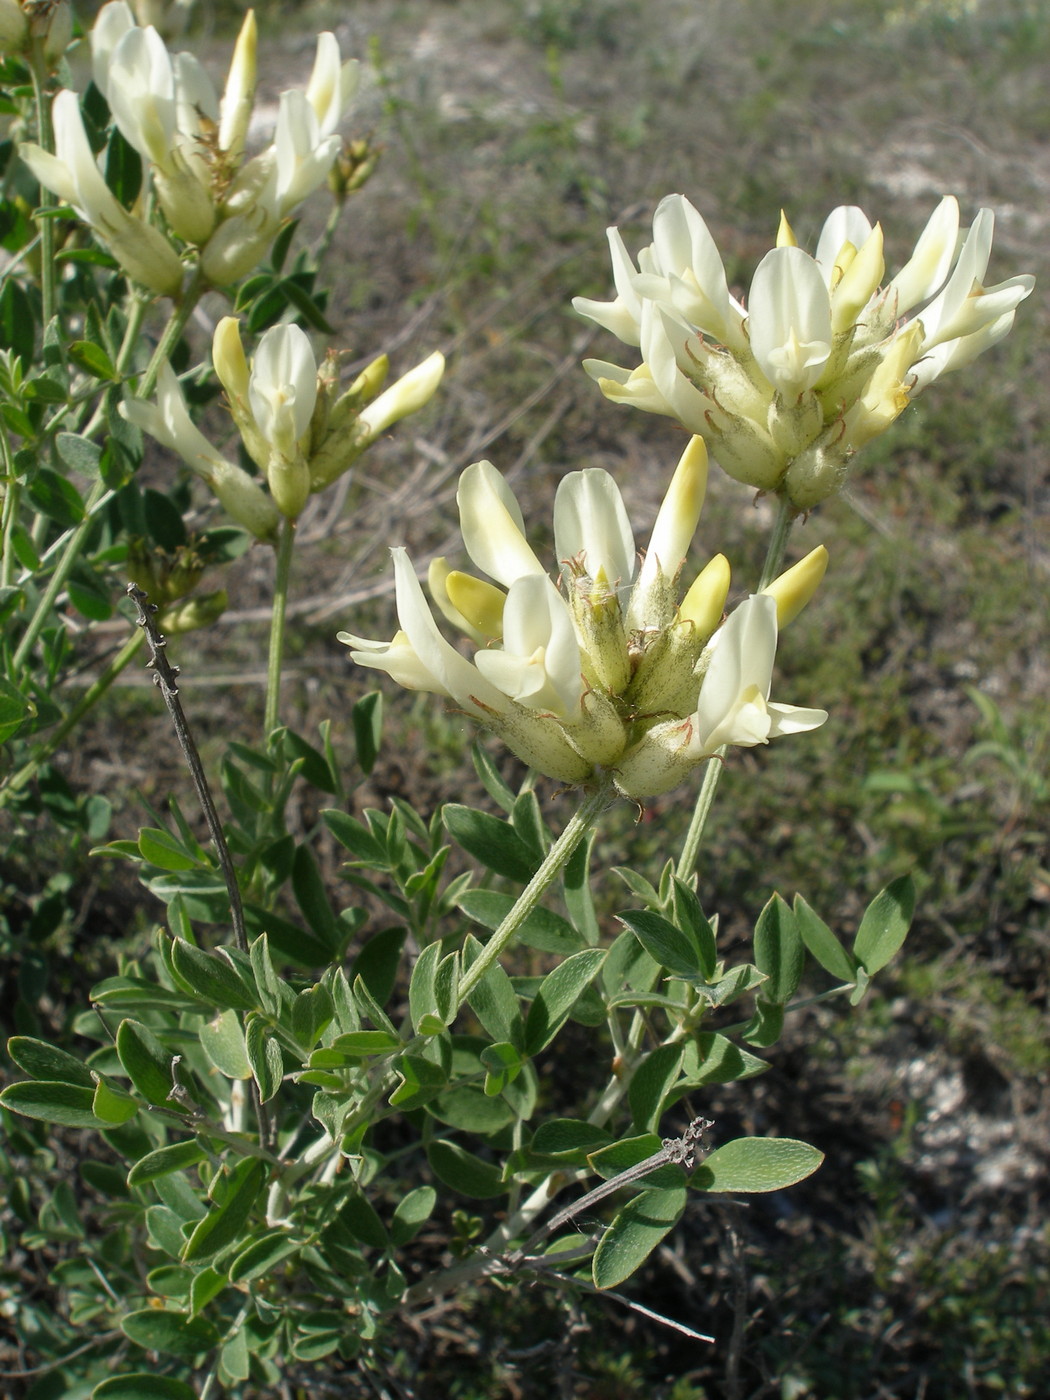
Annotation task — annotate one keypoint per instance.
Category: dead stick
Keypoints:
(164, 674)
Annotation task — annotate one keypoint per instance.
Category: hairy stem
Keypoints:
(285, 549)
(45, 224)
(774, 560)
(71, 553)
(554, 862)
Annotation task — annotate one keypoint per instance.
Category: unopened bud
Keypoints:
(785, 233)
(600, 628)
(793, 589)
(14, 27)
(479, 602)
(859, 282)
(145, 255)
(237, 100)
(407, 395)
(705, 600)
(353, 167)
(51, 21)
(193, 614)
(289, 479)
(369, 382)
(819, 471)
(187, 205)
(145, 567)
(245, 500)
(237, 245)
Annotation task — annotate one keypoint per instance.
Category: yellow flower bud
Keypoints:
(229, 359)
(479, 602)
(793, 589)
(369, 382)
(705, 601)
(194, 613)
(858, 283)
(239, 96)
(785, 233)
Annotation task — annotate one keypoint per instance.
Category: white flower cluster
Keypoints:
(166, 108)
(299, 428)
(607, 671)
(824, 355)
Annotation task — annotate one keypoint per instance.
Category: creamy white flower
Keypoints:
(282, 388)
(734, 707)
(493, 526)
(924, 272)
(304, 156)
(574, 682)
(538, 664)
(591, 528)
(789, 320)
(111, 24)
(846, 226)
(537, 739)
(397, 658)
(686, 255)
(168, 110)
(623, 315)
(282, 395)
(72, 174)
(964, 306)
(168, 421)
(332, 84)
(197, 113)
(141, 90)
(786, 392)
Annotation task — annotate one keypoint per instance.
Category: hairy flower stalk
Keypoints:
(824, 356)
(608, 674)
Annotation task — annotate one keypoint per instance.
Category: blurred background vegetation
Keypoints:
(916, 1263)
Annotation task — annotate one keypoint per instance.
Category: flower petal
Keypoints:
(591, 524)
(493, 527)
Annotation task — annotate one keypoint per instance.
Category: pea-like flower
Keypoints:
(194, 144)
(824, 356)
(606, 671)
(73, 174)
(168, 421)
(299, 426)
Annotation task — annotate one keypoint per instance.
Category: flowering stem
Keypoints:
(10, 511)
(45, 224)
(576, 829)
(785, 518)
(172, 331)
(705, 801)
(177, 323)
(90, 697)
(285, 548)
